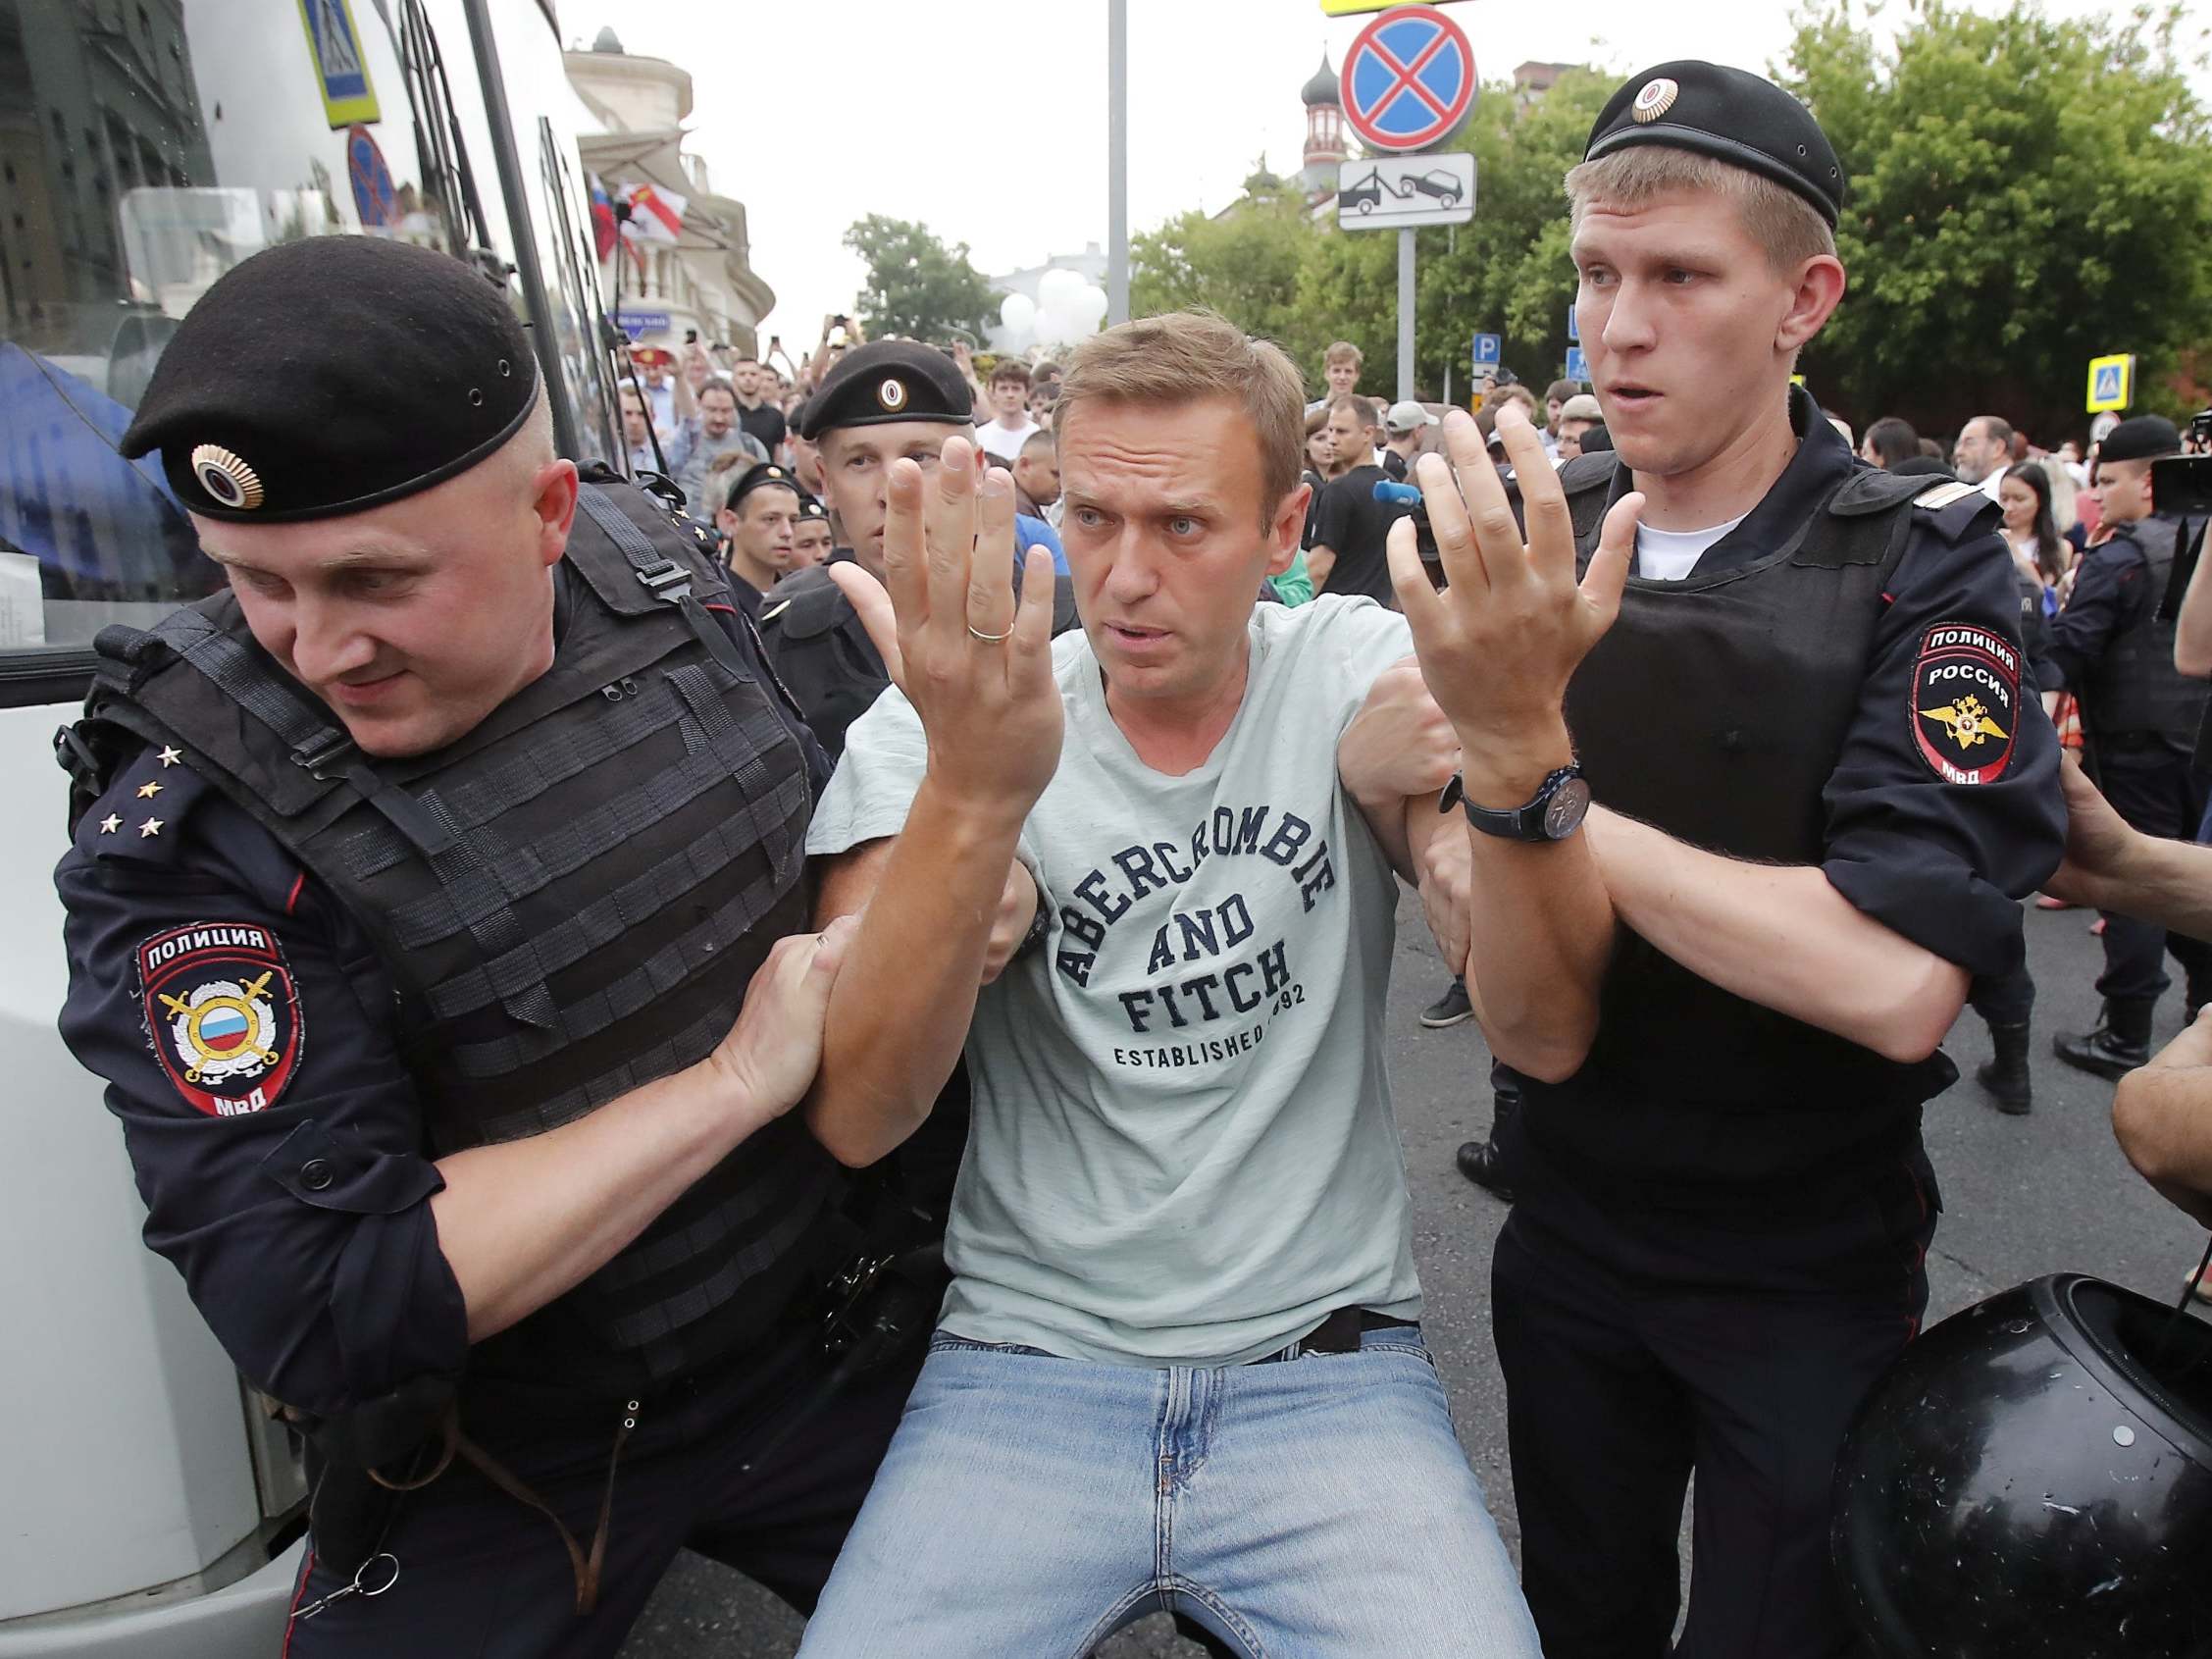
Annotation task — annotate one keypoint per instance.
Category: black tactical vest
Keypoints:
(2135, 690)
(1715, 709)
(572, 900)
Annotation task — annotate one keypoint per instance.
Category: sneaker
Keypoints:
(1450, 1008)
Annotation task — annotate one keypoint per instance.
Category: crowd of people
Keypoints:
(874, 1069)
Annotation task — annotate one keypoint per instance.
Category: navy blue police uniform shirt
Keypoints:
(1940, 862)
(2111, 588)
(252, 1041)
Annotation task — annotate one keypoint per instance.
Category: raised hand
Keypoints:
(974, 659)
(1499, 644)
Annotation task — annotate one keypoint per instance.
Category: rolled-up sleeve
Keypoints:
(301, 1224)
(1941, 853)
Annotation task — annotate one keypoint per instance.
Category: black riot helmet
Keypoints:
(2033, 1480)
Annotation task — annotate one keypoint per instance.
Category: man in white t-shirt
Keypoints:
(1180, 1364)
(1009, 426)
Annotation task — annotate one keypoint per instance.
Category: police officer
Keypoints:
(887, 400)
(1819, 787)
(759, 518)
(2114, 644)
(416, 884)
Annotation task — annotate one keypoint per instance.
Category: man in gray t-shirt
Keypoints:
(1180, 1364)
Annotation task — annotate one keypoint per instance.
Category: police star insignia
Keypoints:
(152, 826)
(170, 757)
(110, 824)
(147, 791)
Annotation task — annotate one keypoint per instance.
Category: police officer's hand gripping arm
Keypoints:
(1498, 646)
(975, 661)
(523, 1221)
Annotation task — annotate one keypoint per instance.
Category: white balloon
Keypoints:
(1056, 287)
(1017, 311)
(1090, 307)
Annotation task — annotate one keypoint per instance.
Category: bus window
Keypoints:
(144, 155)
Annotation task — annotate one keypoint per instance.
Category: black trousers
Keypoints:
(481, 1575)
(2157, 793)
(2004, 998)
(1638, 1347)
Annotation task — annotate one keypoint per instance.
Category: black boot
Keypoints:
(1483, 1162)
(2005, 1074)
(2119, 1043)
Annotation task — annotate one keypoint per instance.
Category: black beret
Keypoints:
(2143, 437)
(334, 375)
(808, 508)
(759, 477)
(1731, 115)
(889, 380)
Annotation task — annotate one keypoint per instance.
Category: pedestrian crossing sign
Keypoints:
(341, 65)
(2111, 381)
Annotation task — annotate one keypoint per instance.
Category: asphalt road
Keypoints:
(2022, 1197)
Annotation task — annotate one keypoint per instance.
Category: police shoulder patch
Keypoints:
(222, 1015)
(1965, 704)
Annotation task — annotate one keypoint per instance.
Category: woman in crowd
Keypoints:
(2030, 527)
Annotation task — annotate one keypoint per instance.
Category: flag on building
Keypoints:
(603, 232)
(656, 214)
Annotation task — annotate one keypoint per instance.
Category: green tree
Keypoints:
(2025, 194)
(1244, 264)
(917, 285)
(1507, 273)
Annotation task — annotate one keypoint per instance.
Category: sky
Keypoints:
(988, 124)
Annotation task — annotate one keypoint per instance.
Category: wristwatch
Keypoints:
(1554, 814)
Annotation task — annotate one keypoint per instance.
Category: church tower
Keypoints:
(1324, 130)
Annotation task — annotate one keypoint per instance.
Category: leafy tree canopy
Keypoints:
(917, 285)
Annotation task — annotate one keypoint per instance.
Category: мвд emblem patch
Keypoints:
(222, 1014)
(1965, 709)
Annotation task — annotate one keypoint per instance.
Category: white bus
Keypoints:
(149, 1506)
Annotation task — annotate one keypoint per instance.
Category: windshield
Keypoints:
(147, 147)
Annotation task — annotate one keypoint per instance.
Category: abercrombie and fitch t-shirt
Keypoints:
(1183, 1150)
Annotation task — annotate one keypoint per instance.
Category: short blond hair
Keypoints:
(1780, 220)
(1343, 351)
(1184, 357)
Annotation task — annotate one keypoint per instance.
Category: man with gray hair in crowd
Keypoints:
(1982, 452)
(1181, 1362)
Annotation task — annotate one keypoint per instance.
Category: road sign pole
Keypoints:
(1405, 315)
(1117, 161)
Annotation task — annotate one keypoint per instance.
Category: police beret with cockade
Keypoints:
(808, 508)
(889, 380)
(1731, 115)
(334, 375)
(759, 477)
(2141, 437)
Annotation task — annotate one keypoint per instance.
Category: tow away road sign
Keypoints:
(1408, 80)
(1399, 193)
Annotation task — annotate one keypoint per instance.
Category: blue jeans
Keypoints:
(1032, 1505)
